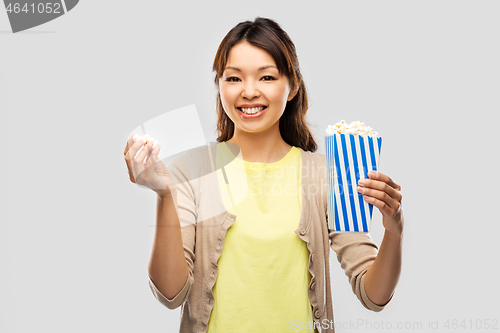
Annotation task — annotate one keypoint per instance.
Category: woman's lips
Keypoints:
(250, 116)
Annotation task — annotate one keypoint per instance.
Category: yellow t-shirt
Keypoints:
(263, 277)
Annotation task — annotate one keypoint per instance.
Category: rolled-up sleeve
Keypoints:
(185, 205)
(355, 253)
(182, 295)
(178, 299)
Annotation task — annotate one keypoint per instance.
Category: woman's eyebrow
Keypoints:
(260, 68)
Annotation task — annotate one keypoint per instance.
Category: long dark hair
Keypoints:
(267, 34)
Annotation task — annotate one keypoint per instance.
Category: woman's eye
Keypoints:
(268, 78)
(232, 79)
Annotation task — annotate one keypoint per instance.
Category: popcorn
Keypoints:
(145, 138)
(356, 128)
(352, 150)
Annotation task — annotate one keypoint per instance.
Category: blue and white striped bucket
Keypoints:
(349, 158)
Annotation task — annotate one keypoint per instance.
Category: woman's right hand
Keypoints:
(146, 168)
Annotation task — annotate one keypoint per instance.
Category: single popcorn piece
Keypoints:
(356, 128)
(146, 138)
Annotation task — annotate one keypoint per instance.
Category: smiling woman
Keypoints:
(263, 264)
(262, 100)
(252, 88)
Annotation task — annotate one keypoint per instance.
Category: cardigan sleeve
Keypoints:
(186, 211)
(355, 253)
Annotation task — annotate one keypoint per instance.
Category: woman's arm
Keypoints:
(383, 275)
(167, 267)
(171, 267)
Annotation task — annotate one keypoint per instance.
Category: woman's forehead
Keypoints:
(244, 56)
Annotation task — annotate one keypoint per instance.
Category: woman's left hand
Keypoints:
(382, 192)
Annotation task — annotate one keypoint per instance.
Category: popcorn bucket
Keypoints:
(349, 158)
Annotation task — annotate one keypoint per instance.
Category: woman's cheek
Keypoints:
(282, 94)
(228, 93)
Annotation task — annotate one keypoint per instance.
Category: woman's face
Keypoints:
(252, 83)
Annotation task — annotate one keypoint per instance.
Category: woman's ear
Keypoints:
(292, 94)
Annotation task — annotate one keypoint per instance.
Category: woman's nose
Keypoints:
(250, 90)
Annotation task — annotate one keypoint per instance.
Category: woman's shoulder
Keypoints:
(190, 164)
(200, 161)
(313, 157)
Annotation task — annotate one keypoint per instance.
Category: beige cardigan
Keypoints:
(204, 222)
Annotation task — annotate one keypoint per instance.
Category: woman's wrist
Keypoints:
(164, 194)
(394, 235)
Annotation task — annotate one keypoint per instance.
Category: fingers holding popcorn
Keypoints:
(146, 138)
(130, 152)
(152, 156)
(144, 166)
(144, 153)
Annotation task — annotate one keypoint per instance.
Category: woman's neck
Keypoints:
(260, 147)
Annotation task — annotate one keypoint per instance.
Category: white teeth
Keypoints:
(252, 110)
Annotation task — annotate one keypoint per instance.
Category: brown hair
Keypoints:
(268, 35)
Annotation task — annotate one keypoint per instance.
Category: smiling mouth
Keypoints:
(252, 110)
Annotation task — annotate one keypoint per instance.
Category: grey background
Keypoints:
(76, 235)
